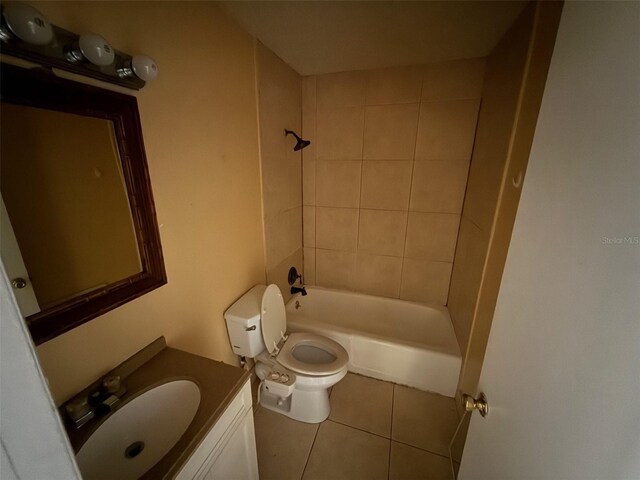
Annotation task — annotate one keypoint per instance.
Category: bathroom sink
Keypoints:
(140, 433)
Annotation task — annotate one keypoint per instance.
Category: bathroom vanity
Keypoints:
(206, 405)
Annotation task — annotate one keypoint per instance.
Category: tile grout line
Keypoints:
(364, 126)
(356, 428)
(310, 451)
(421, 449)
(315, 184)
(413, 167)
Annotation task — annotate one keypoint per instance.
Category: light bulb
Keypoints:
(96, 49)
(144, 67)
(27, 23)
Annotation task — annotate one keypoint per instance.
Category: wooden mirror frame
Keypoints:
(40, 88)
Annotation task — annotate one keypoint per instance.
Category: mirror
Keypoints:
(79, 234)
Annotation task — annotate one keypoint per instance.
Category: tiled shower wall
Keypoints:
(385, 176)
(279, 107)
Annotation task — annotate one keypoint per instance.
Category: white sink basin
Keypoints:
(139, 434)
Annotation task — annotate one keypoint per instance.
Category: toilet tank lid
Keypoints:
(246, 309)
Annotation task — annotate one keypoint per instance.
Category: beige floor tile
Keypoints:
(363, 403)
(424, 420)
(341, 452)
(409, 463)
(283, 445)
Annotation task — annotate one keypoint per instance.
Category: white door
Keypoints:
(15, 267)
(562, 368)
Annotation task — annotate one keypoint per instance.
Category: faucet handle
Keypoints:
(79, 411)
(293, 276)
(111, 384)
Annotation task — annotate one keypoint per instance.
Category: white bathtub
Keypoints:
(393, 340)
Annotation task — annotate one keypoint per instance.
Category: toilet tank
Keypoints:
(243, 323)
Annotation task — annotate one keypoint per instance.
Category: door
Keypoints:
(15, 267)
(562, 367)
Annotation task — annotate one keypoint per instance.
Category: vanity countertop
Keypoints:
(158, 364)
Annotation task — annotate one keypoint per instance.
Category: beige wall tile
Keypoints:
(308, 180)
(344, 89)
(338, 183)
(425, 281)
(339, 133)
(281, 176)
(465, 279)
(390, 132)
(394, 85)
(438, 187)
(386, 184)
(337, 228)
(279, 274)
(309, 266)
(495, 124)
(309, 133)
(457, 80)
(335, 269)
(432, 236)
(382, 232)
(279, 101)
(283, 235)
(378, 275)
(309, 226)
(309, 96)
(447, 130)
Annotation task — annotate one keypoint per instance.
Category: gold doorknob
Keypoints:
(480, 403)
(19, 282)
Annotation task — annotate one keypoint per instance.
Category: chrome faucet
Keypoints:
(101, 401)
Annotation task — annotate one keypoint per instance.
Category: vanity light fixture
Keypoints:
(26, 34)
(93, 48)
(26, 23)
(140, 66)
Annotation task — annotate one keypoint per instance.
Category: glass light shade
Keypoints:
(96, 49)
(144, 67)
(28, 24)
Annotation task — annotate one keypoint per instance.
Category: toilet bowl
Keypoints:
(295, 370)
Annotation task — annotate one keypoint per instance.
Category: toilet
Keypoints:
(296, 370)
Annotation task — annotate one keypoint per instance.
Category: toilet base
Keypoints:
(302, 405)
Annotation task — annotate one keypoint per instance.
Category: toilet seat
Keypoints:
(328, 358)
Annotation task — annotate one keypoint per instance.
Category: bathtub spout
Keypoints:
(301, 290)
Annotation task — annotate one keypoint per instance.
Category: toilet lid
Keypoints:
(273, 317)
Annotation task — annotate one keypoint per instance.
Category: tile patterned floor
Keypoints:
(376, 430)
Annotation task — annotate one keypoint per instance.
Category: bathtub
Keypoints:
(394, 340)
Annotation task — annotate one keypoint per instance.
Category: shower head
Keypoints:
(300, 144)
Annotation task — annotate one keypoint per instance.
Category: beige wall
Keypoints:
(503, 78)
(67, 201)
(385, 180)
(279, 108)
(514, 82)
(200, 132)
